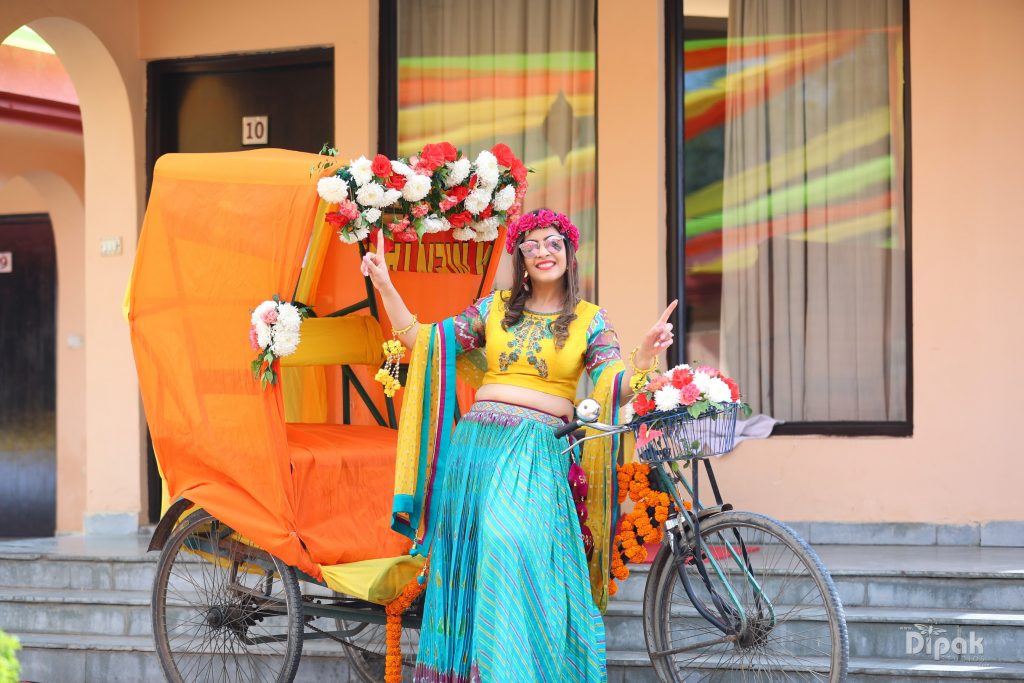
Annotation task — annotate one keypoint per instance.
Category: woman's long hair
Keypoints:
(516, 301)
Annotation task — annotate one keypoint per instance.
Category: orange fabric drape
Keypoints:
(222, 232)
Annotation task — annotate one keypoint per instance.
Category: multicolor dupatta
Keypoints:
(424, 434)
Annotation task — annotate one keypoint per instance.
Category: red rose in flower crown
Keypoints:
(542, 218)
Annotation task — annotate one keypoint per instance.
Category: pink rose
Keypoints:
(690, 393)
(270, 316)
(254, 338)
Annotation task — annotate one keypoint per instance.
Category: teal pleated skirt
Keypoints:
(508, 594)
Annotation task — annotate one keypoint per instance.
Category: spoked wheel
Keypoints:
(794, 627)
(224, 610)
(366, 647)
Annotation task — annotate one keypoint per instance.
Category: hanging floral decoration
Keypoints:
(438, 190)
(394, 610)
(641, 526)
(274, 333)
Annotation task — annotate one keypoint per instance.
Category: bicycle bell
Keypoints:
(588, 410)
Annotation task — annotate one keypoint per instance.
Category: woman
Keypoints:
(509, 595)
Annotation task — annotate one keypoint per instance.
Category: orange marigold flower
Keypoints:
(613, 588)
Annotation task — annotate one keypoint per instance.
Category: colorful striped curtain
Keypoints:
(813, 317)
(477, 72)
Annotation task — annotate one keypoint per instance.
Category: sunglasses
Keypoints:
(554, 244)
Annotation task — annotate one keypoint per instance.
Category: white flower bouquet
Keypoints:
(274, 333)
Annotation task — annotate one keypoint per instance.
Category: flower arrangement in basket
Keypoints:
(274, 333)
(687, 412)
(438, 190)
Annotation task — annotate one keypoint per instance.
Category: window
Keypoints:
(516, 71)
(790, 205)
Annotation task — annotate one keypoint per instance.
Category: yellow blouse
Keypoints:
(525, 354)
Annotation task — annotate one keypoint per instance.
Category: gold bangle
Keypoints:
(399, 333)
(638, 371)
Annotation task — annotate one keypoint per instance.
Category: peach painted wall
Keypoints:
(631, 200)
(965, 224)
(963, 463)
(98, 45)
(189, 28)
(43, 172)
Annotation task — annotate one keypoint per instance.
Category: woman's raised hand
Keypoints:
(373, 266)
(657, 339)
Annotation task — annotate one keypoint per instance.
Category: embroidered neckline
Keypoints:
(546, 315)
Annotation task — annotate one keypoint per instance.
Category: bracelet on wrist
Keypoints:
(632, 362)
(399, 333)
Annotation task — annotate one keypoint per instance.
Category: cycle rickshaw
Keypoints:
(277, 500)
(275, 534)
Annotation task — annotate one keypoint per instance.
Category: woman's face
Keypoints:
(543, 253)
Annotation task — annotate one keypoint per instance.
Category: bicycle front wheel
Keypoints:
(782, 616)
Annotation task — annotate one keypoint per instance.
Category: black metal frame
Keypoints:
(676, 226)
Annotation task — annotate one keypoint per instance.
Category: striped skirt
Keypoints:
(508, 595)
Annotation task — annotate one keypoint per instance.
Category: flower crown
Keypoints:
(542, 218)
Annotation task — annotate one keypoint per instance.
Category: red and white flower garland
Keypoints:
(438, 190)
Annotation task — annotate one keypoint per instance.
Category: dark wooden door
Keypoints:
(28, 376)
(198, 105)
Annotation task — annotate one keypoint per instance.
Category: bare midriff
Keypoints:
(528, 398)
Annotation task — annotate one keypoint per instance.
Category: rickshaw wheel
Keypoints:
(223, 609)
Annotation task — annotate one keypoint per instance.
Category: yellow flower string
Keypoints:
(394, 351)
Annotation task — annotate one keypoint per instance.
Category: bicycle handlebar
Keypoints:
(567, 429)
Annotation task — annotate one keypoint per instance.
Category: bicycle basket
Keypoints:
(678, 436)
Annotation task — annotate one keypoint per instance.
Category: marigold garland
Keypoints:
(641, 526)
(394, 610)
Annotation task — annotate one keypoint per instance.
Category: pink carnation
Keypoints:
(657, 383)
(254, 338)
(420, 210)
(689, 394)
(348, 209)
(270, 316)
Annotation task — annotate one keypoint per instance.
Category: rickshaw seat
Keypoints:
(348, 340)
(343, 476)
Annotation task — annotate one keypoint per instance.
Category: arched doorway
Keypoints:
(110, 475)
(28, 399)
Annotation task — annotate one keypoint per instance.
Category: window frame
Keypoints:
(675, 174)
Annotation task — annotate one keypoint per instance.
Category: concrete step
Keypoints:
(631, 667)
(81, 606)
(49, 658)
(875, 632)
(888, 576)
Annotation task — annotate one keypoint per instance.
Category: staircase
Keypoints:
(80, 607)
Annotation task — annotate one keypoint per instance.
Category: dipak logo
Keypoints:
(929, 640)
